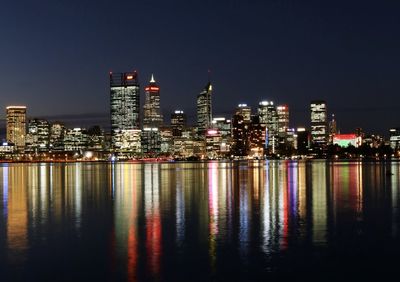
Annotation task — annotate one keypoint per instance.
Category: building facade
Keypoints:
(204, 109)
(178, 122)
(152, 117)
(319, 127)
(124, 103)
(16, 126)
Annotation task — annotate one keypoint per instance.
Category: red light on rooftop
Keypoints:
(152, 88)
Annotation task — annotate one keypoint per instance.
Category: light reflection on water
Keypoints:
(162, 221)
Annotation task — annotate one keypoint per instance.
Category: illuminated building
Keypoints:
(223, 125)
(16, 126)
(204, 109)
(332, 129)
(128, 142)
(394, 138)
(124, 102)
(38, 136)
(283, 120)
(303, 141)
(178, 122)
(269, 117)
(256, 137)
(75, 140)
(318, 123)
(346, 140)
(6, 150)
(152, 120)
(185, 147)
(166, 140)
(96, 138)
(239, 136)
(57, 133)
(152, 116)
(213, 143)
(151, 141)
(244, 111)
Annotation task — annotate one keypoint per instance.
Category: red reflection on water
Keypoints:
(132, 254)
(153, 241)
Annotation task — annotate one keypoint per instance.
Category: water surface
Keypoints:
(215, 221)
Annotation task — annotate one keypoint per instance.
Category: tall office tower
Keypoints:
(283, 120)
(16, 126)
(152, 116)
(256, 137)
(178, 122)
(319, 132)
(240, 144)
(124, 101)
(303, 141)
(38, 136)
(244, 111)
(264, 107)
(204, 109)
(269, 118)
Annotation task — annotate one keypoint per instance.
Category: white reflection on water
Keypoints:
(180, 210)
(153, 217)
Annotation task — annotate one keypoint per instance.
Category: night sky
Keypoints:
(56, 56)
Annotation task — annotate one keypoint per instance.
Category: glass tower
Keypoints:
(204, 109)
(124, 102)
(152, 117)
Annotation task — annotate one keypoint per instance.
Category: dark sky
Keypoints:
(56, 55)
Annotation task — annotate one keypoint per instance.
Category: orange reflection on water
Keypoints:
(17, 216)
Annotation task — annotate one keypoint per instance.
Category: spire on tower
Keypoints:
(152, 80)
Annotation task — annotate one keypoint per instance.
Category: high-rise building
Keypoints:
(16, 126)
(125, 102)
(152, 117)
(283, 120)
(319, 132)
(302, 141)
(244, 111)
(38, 136)
(178, 122)
(240, 144)
(269, 118)
(204, 109)
(256, 137)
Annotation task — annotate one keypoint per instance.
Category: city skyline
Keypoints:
(344, 53)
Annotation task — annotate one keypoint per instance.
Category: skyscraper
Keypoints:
(283, 120)
(16, 126)
(319, 132)
(124, 101)
(204, 109)
(244, 111)
(269, 118)
(178, 122)
(152, 116)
